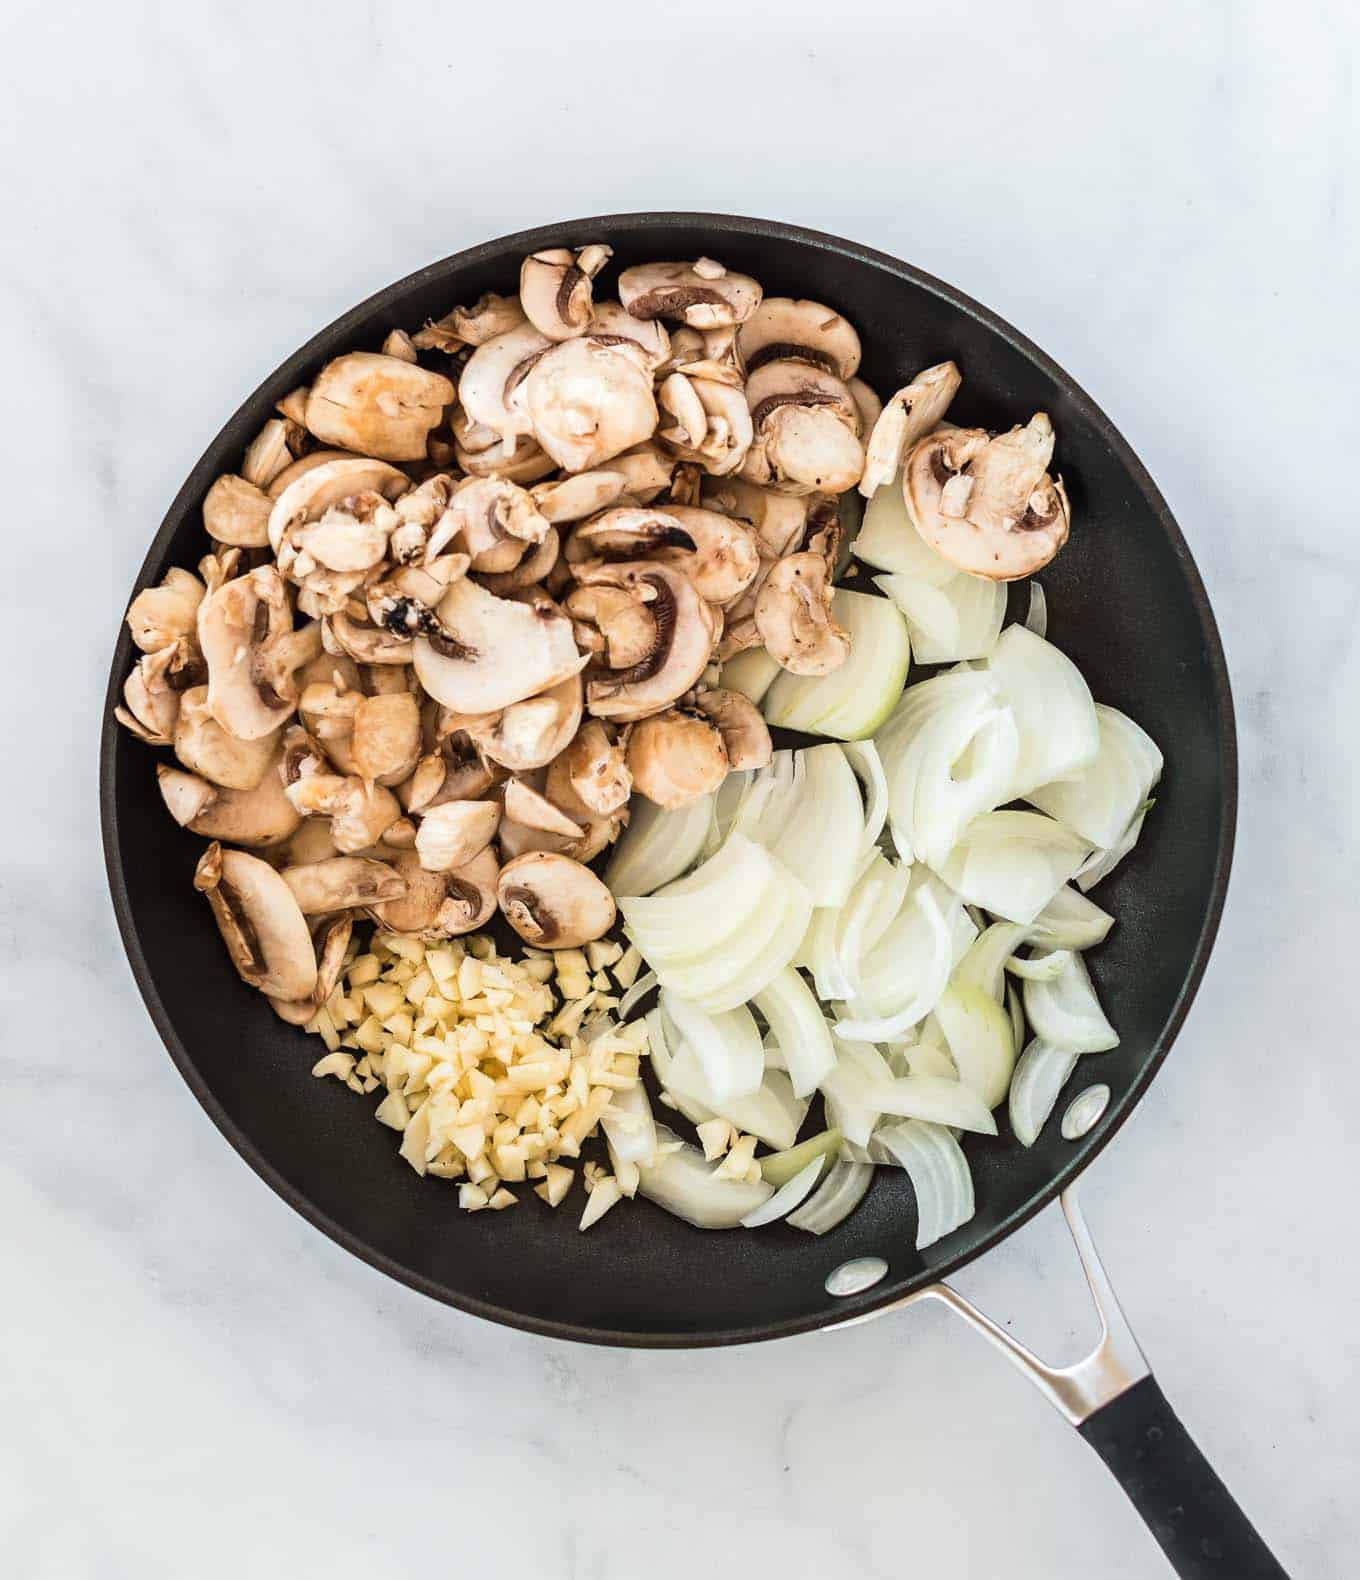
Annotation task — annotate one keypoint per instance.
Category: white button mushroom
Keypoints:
(554, 902)
(377, 405)
(793, 616)
(914, 411)
(703, 294)
(588, 401)
(261, 923)
(555, 290)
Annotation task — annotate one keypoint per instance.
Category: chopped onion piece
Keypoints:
(1103, 862)
(889, 541)
(1066, 1012)
(657, 846)
(1039, 968)
(929, 1058)
(844, 1187)
(1017, 1014)
(1013, 863)
(927, 980)
(984, 966)
(864, 759)
(727, 800)
(780, 1167)
(1052, 705)
(981, 1044)
(1070, 921)
(800, 808)
(948, 621)
(1103, 799)
(629, 1127)
(938, 1170)
(683, 1183)
(772, 1112)
(798, 1027)
(1039, 1076)
(936, 1099)
(852, 1088)
(788, 1198)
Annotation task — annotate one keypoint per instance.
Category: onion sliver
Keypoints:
(683, 1182)
(657, 845)
(780, 1167)
(1066, 1012)
(835, 1198)
(889, 541)
(788, 1198)
(801, 808)
(929, 1058)
(1017, 1014)
(693, 914)
(727, 801)
(936, 1099)
(1070, 921)
(1036, 619)
(938, 1170)
(929, 980)
(981, 1042)
(861, 1071)
(1039, 968)
(984, 966)
(726, 1046)
(1013, 863)
(771, 1112)
(853, 700)
(751, 673)
(799, 1028)
(1039, 1076)
(868, 766)
(1052, 705)
(953, 620)
(662, 1059)
(1103, 862)
(635, 994)
(629, 1127)
(1101, 800)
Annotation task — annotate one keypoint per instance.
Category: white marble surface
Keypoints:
(193, 1382)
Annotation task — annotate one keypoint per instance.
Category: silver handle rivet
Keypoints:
(855, 1276)
(1084, 1111)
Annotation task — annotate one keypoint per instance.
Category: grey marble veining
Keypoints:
(193, 1382)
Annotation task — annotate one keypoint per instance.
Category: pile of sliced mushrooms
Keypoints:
(468, 594)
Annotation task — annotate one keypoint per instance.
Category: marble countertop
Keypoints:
(192, 1381)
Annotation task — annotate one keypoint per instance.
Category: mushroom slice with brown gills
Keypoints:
(532, 569)
(703, 294)
(495, 521)
(914, 411)
(793, 616)
(205, 748)
(158, 617)
(152, 692)
(342, 883)
(684, 628)
(784, 328)
(555, 290)
(986, 502)
(490, 315)
(441, 904)
(744, 732)
(237, 512)
(713, 421)
(725, 558)
(330, 942)
(529, 734)
(384, 744)
(367, 642)
(377, 405)
(613, 323)
(494, 651)
(261, 923)
(260, 817)
(588, 401)
(597, 769)
(554, 902)
(490, 387)
(806, 429)
(360, 813)
(524, 804)
(451, 834)
(675, 757)
(245, 633)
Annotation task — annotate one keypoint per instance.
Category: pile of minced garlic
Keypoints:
(491, 1078)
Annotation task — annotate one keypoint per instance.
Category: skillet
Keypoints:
(1129, 607)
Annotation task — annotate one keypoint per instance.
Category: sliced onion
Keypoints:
(727, 801)
(657, 846)
(1101, 800)
(1103, 862)
(629, 1127)
(780, 1167)
(929, 1058)
(788, 1198)
(690, 915)
(1052, 705)
(1070, 921)
(889, 541)
(1013, 863)
(868, 766)
(751, 673)
(1016, 1011)
(936, 1099)
(1039, 968)
(801, 808)
(852, 701)
(771, 1112)
(1067, 1013)
(852, 1088)
(984, 966)
(798, 1027)
(981, 1043)
(684, 1183)
(1039, 1076)
(927, 979)
(1036, 619)
(939, 1175)
(837, 941)
(948, 621)
(726, 1046)
(844, 1187)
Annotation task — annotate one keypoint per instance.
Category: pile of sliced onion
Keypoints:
(948, 621)
(799, 808)
(657, 845)
(1013, 863)
(1052, 707)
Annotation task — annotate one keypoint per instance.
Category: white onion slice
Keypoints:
(1039, 1076)
(800, 809)
(851, 1090)
(771, 1112)
(929, 1058)
(657, 845)
(868, 767)
(799, 1028)
(1036, 619)
(751, 673)
(1017, 1014)
(984, 966)
(1103, 862)
(635, 994)
(691, 915)
(727, 801)
(1102, 799)
(1013, 863)
(683, 1183)
(852, 701)
(953, 620)
(889, 541)
(726, 1046)
(928, 978)
(939, 1175)
(1067, 1013)
(844, 1187)
(981, 1044)
(1039, 968)
(837, 941)
(1052, 705)
(1070, 921)
(788, 1198)
(935, 1099)
(629, 1127)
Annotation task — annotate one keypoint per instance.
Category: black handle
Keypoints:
(1183, 1503)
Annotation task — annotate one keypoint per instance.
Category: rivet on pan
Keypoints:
(854, 1277)
(1084, 1110)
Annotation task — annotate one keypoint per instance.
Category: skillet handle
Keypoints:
(1113, 1400)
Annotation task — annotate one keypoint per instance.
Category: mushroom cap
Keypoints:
(785, 327)
(205, 748)
(597, 769)
(377, 405)
(555, 289)
(490, 315)
(613, 322)
(529, 734)
(779, 519)
(360, 813)
(684, 631)
(725, 557)
(490, 388)
(342, 883)
(986, 502)
(260, 817)
(495, 520)
(702, 294)
(793, 617)
(451, 834)
(304, 464)
(237, 512)
(744, 732)
(914, 411)
(718, 434)
(385, 741)
(496, 651)
(160, 616)
(805, 449)
(588, 401)
(267, 454)
(675, 757)
(261, 923)
(330, 483)
(441, 904)
(554, 902)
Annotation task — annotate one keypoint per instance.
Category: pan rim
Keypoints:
(1083, 1156)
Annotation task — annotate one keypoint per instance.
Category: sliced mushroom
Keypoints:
(330, 484)
(724, 560)
(237, 512)
(304, 464)
(554, 289)
(342, 883)
(496, 522)
(158, 617)
(793, 616)
(490, 388)
(601, 828)
(265, 932)
(806, 429)
(779, 520)
(480, 452)
(419, 509)
(330, 942)
(532, 569)
(494, 651)
(384, 745)
(441, 904)
(246, 636)
(612, 622)
(367, 643)
(360, 813)
(588, 401)
(529, 734)
(986, 502)
(783, 328)
(745, 734)
(489, 316)
(914, 411)
(684, 629)
(208, 750)
(524, 804)
(259, 818)
(554, 902)
(675, 757)
(647, 471)
(596, 768)
(377, 405)
(702, 294)
(310, 842)
(575, 498)
(450, 835)
(400, 345)
(152, 691)
(267, 454)
(867, 404)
